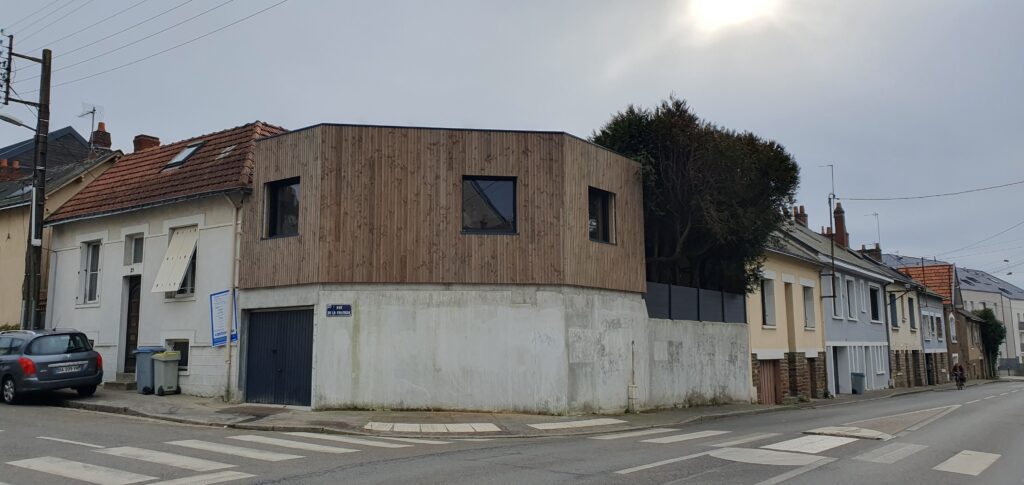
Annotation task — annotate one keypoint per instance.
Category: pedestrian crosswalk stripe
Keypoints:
(890, 454)
(234, 450)
(416, 441)
(750, 438)
(684, 437)
(810, 444)
(347, 439)
(968, 462)
(576, 424)
(209, 479)
(298, 445)
(164, 458)
(70, 442)
(661, 463)
(81, 471)
(633, 434)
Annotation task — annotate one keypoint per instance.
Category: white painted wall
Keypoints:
(508, 348)
(160, 319)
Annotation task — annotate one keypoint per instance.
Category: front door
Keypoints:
(131, 333)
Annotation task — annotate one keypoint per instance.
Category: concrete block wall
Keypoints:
(207, 373)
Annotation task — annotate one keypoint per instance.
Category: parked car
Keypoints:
(45, 360)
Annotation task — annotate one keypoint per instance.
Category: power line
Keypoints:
(1000, 233)
(87, 27)
(16, 22)
(948, 194)
(136, 61)
(40, 19)
(62, 17)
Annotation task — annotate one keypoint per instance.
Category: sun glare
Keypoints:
(712, 15)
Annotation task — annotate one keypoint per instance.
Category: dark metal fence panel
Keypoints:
(735, 307)
(685, 304)
(657, 299)
(710, 306)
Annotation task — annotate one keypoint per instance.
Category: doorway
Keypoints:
(131, 331)
(279, 357)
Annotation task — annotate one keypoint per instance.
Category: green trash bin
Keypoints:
(165, 372)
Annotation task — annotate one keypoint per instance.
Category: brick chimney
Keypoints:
(100, 137)
(145, 142)
(800, 216)
(874, 253)
(842, 237)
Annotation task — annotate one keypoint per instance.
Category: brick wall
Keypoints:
(755, 375)
(799, 375)
(920, 369)
(782, 387)
(942, 368)
(819, 379)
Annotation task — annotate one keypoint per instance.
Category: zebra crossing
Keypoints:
(195, 461)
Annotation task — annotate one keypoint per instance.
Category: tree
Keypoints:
(993, 334)
(712, 197)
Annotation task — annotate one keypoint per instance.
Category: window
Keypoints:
(876, 303)
(489, 205)
(183, 155)
(851, 300)
(133, 247)
(863, 297)
(176, 275)
(913, 314)
(180, 346)
(767, 302)
(984, 305)
(952, 327)
(893, 317)
(809, 305)
(601, 215)
(938, 323)
(834, 289)
(188, 283)
(59, 344)
(283, 208)
(880, 355)
(91, 272)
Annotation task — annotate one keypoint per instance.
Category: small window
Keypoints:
(876, 303)
(180, 346)
(601, 215)
(133, 248)
(937, 321)
(809, 305)
(489, 205)
(892, 311)
(836, 305)
(283, 208)
(768, 302)
(91, 272)
(183, 155)
(913, 315)
(188, 282)
(952, 327)
(851, 299)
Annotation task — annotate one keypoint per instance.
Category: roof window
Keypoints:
(183, 155)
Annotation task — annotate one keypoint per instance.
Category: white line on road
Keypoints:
(757, 456)
(416, 441)
(750, 438)
(298, 445)
(164, 458)
(684, 437)
(933, 418)
(208, 479)
(990, 397)
(576, 424)
(348, 439)
(972, 402)
(796, 472)
(660, 463)
(810, 444)
(234, 450)
(968, 462)
(890, 454)
(633, 434)
(81, 471)
(1003, 394)
(59, 440)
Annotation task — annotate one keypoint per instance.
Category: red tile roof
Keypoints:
(139, 179)
(937, 277)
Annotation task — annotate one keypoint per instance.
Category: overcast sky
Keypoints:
(904, 97)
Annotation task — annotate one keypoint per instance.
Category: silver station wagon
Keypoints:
(45, 360)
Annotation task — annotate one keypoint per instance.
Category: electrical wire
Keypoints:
(40, 19)
(62, 17)
(1000, 233)
(87, 27)
(931, 196)
(136, 61)
(16, 22)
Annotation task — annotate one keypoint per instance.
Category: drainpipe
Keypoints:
(236, 202)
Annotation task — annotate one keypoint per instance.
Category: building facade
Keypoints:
(982, 290)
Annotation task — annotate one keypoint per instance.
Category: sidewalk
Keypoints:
(419, 424)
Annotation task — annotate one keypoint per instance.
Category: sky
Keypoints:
(903, 98)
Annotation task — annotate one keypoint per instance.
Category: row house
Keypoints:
(982, 290)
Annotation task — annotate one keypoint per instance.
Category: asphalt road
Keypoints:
(970, 436)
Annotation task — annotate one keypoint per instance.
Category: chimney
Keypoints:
(145, 142)
(100, 137)
(874, 253)
(842, 237)
(800, 216)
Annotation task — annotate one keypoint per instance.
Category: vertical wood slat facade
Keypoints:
(383, 205)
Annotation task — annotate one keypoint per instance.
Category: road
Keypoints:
(970, 436)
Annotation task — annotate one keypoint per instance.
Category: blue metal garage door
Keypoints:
(279, 357)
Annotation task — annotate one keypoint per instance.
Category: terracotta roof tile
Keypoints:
(222, 163)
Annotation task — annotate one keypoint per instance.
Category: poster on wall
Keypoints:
(222, 317)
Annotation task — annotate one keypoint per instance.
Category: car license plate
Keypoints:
(67, 369)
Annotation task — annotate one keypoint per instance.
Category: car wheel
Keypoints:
(9, 391)
(86, 391)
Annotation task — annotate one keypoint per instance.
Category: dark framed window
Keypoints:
(283, 208)
(876, 301)
(892, 311)
(601, 204)
(489, 205)
(180, 346)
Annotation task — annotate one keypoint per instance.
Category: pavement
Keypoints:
(215, 412)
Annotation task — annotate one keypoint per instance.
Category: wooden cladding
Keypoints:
(384, 205)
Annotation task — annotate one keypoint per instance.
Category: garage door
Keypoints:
(279, 357)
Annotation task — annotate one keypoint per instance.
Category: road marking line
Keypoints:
(990, 397)
(59, 440)
(633, 434)
(684, 437)
(164, 458)
(298, 445)
(810, 444)
(968, 462)
(660, 463)
(577, 424)
(933, 418)
(416, 441)
(796, 472)
(348, 439)
(890, 454)
(757, 456)
(851, 423)
(972, 402)
(209, 479)
(81, 471)
(1003, 394)
(750, 438)
(234, 450)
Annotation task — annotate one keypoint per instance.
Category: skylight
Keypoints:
(183, 155)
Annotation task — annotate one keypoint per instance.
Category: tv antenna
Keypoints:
(91, 110)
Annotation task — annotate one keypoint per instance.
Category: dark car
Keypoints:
(45, 360)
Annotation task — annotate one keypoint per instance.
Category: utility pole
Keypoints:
(34, 252)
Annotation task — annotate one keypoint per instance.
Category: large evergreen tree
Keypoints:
(993, 334)
(712, 196)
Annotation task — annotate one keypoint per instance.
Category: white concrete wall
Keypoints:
(160, 319)
(544, 349)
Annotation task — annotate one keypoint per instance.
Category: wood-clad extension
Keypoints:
(383, 205)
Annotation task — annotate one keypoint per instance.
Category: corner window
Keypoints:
(91, 272)
(809, 305)
(283, 208)
(180, 346)
(489, 205)
(183, 155)
(133, 248)
(601, 204)
(768, 302)
(876, 303)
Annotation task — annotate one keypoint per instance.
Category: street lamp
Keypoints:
(14, 121)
